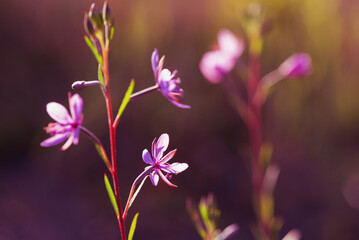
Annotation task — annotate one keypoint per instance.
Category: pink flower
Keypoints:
(159, 163)
(167, 82)
(216, 64)
(66, 126)
(297, 65)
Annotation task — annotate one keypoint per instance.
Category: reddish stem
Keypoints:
(112, 131)
(255, 135)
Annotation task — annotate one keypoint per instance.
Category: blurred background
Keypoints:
(312, 123)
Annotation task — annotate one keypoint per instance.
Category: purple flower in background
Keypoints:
(297, 65)
(158, 162)
(216, 64)
(66, 126)
(167, 82)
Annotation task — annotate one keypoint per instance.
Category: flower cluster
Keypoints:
(99, 30)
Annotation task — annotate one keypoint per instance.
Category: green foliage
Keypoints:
(126, 98)
(111, 195)
(102, 154)
(94, 50)
(100, 75)
(112, 29)
(133, 227)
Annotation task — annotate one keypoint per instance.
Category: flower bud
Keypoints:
(81, 84)
(78, 85)
(95, 17)
(89, 29)
(297, 65)
(106, 14)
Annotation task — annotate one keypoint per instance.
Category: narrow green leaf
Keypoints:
(126, 98)
(133, 227)
(203, 210)
(94, 50)
(102, 153)
(112, 29)
(100, 75)
(111, 195)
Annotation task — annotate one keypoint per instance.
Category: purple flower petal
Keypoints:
(154, 62)
(168, 156)
(76, 136)
(68, 142)
(165, 179)
(165, 75)
(146, 156)
(54, 140)
(180, 105)
(215, 65)
(230, 44)
(76, 106)
(154, 147)
(178, 167)
(58, 112)
(154, 178)
(161, 146)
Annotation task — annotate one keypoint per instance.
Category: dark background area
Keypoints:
(312, 123)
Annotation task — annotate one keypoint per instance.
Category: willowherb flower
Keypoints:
(66, 126)
(159, 163)
(297, 65)
(167, 82)
(216, 64)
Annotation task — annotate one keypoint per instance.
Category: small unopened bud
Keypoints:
(297, 65)
(81, 84)
(89, 29)
(95, 17)
(106, 14)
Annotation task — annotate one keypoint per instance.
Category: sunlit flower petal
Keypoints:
(146, 156)
(54, 140)
(154, 178)
(76, 106)
(161, 146)
(58, 112)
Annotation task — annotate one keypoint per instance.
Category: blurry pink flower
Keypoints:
(297, 65)
(159, 163)
(66, 125)
(216, 64)
(167, 82)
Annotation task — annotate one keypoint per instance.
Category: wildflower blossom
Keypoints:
(297, 65)
(216, 64)
(66, 126)
(167, 82)
(159, 163)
